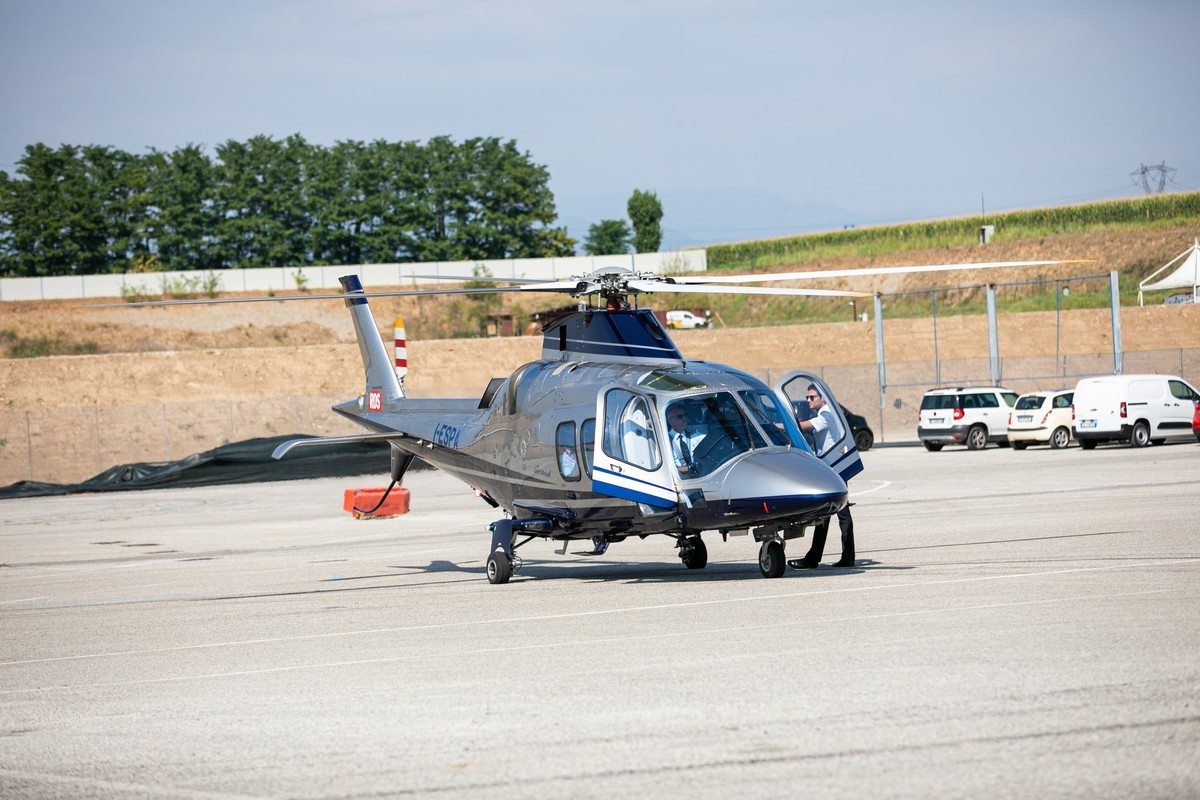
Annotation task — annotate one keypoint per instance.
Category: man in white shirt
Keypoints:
(826, 432)
(823, 423)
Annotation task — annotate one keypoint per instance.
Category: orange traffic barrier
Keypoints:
(366, 499)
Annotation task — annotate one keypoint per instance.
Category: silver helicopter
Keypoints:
(584, 443)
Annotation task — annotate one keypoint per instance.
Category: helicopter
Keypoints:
(578, 444)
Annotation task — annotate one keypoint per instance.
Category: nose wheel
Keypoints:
(770, 559)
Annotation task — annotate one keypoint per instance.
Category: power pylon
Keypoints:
(1154, 185)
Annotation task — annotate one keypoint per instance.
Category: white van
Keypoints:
(1139, 409)
(685, 319)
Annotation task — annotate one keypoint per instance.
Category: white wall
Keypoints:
(372, 275)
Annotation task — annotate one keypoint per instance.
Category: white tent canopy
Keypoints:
(1185, 276)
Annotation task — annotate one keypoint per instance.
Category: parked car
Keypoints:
(685, 319)
(972, 416)
(864, 437)
(1196, 421)
(1139, 409)
(1041, 418)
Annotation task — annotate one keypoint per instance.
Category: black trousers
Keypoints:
(846, 523)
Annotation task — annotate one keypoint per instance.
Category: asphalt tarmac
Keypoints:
(1020, 624)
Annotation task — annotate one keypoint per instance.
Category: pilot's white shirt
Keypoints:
(692, 439)
(826, 430)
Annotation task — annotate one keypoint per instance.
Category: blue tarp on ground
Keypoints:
(248, 461)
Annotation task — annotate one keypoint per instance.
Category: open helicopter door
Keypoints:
(842, 455)
(630, 462)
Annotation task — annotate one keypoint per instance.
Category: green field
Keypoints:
(949, 240)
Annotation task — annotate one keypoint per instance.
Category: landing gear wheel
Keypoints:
(1020, 445)
(499, 568)
(693, 553)
(977, 438)
(1087, 444)
(931, 447)
(1060, 438)
(1141, 435)
(770, 559)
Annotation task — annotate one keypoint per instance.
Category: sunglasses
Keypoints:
(813, 397)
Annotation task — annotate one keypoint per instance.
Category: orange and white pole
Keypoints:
(401, 351)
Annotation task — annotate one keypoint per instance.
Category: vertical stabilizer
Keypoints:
(382, 386)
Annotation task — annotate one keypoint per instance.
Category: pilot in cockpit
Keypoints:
(683, 438)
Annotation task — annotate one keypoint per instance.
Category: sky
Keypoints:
(748, 119)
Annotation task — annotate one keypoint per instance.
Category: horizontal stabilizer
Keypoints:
(287, 446)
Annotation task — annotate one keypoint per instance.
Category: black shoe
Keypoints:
(802, 563)
(843, 564)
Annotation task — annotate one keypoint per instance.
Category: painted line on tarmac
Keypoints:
(591, 613)
(486, 651)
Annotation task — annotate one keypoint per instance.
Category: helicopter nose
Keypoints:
(770, 485)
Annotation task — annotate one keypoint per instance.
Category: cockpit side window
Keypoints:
(715, 429)
(628, 432)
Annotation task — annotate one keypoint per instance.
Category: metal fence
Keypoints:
(893, 412)
(67, 445)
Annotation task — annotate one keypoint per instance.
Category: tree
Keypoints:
(607, 237)
(76, 211)
(645, 212)
(183, 222)
(271, 203)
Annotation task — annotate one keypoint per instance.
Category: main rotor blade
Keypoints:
(552, 287)
(850, 273)
(465, 278)
(651, 287)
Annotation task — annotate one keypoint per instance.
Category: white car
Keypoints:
(972, 416)
(1041, 418)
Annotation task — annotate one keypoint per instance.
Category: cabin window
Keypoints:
(566, 454)
(628, 433)
(587, 440)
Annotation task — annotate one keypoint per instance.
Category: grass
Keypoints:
(39, 346)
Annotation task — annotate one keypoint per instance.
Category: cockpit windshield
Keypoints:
(768, 413)
(706, 430)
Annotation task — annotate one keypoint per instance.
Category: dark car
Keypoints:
(863, 437)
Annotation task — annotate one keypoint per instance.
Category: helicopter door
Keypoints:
(629, 463)
(835, 448)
